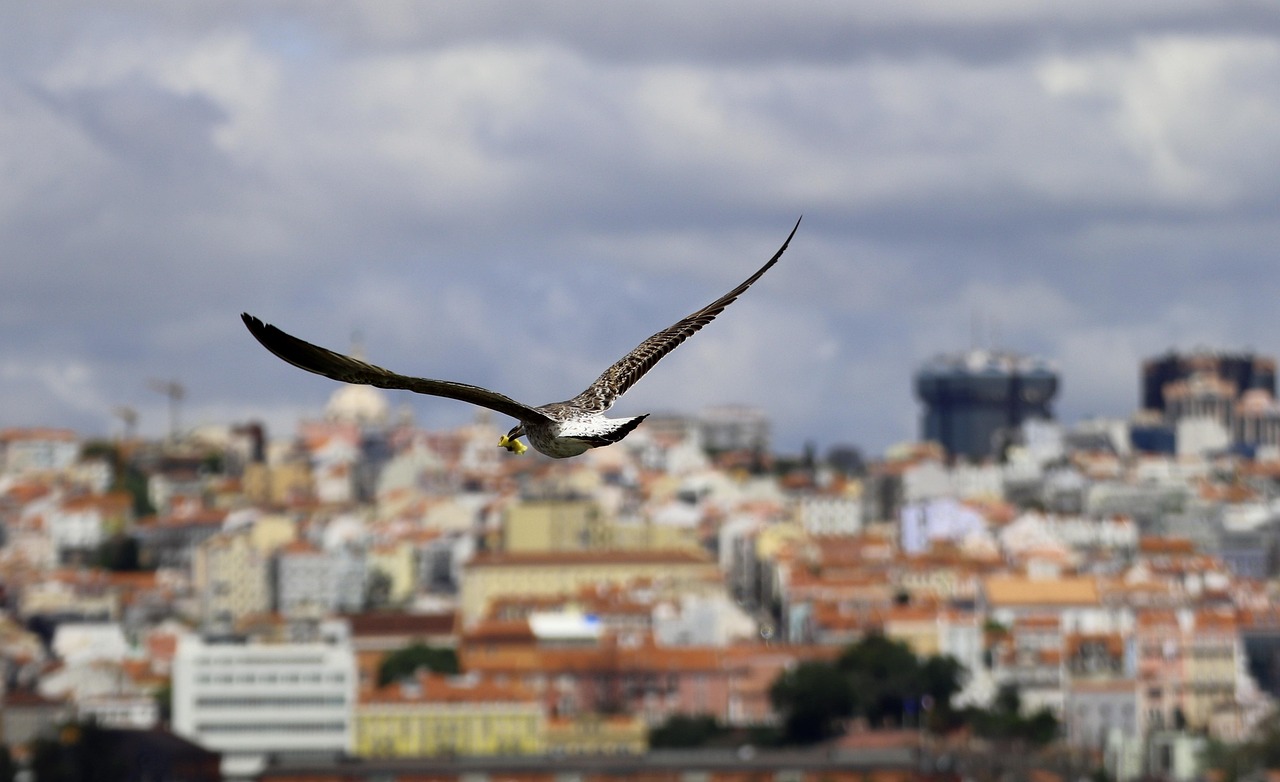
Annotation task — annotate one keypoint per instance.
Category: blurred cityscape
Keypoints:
(1007, 597)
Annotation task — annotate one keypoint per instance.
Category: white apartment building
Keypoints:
(246, 700)
(822, 515)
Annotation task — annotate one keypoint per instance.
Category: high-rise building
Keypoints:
(1243, 371)
(975, 401)
(1211, 400)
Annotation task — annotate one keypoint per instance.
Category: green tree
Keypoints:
(813, 699)
(119, 553)
(408, 660)
(683, 731)
(892, 682)
(1004, 720)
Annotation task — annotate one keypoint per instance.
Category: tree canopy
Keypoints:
(876, 678)
(814, 698)
(409, 659)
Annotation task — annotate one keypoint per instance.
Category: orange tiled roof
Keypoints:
(433, 689)
(570, 558)
(1006, 590)
(37, 433)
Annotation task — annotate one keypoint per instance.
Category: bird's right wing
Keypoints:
(323, 361)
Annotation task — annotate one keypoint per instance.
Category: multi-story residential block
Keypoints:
(232, 577)
(1029, 655)
(247, 700)
(1105, 716)
(1212, 665)
(398, 564)
(545, 525)
(489, 576)
(38, 450)
(104, 691)
(78, 525)
(1098, 656)
(280, 484)
(1158, 636)
(615, 734)
(171, 541)
(311, 581)
(830, 515)
(652, 682)
(462, 716)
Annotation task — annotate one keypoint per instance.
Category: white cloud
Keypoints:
(515, 194)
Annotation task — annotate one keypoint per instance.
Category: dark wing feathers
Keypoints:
(615, 380)
(333, 365)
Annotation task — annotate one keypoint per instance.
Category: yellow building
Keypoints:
(916, 626)
(554, 525)
(593, 734)
(1210, 659)
(489, 576)
(270, 531)
(277, 484)
(580, 525)
(398, 562)
(232, 577)
(437, 715)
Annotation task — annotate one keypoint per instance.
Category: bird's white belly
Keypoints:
(562, 440)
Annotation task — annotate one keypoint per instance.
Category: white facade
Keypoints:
(831, 515)
(247, 700)
(82, 642)
(316, 582)
(39, 450)
(75, 528)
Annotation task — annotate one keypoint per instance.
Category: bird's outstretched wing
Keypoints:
(615, 380)
(333, 365)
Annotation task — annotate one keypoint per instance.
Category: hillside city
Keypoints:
(1006, 597)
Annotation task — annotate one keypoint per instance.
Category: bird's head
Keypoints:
(511, 441)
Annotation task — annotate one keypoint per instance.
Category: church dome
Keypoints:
(362, 405)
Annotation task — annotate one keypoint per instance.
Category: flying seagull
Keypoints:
(559, 429)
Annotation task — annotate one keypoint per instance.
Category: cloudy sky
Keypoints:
(516, 193)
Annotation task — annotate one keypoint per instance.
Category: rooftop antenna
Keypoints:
(176, 392)
(129, 417)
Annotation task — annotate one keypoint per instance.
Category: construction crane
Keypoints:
(176, 393)
(129, 417)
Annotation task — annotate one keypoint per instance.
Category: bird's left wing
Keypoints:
(323, 361)
(615, 380)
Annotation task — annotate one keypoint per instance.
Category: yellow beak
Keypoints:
(514, 446)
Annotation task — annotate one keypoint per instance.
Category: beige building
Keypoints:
(278, 484)
(489, 576)
(1211, 659)
(232, 576)
(398, 562)
(435, 715)
(554, 525)
(594, 734)
(581, 525)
